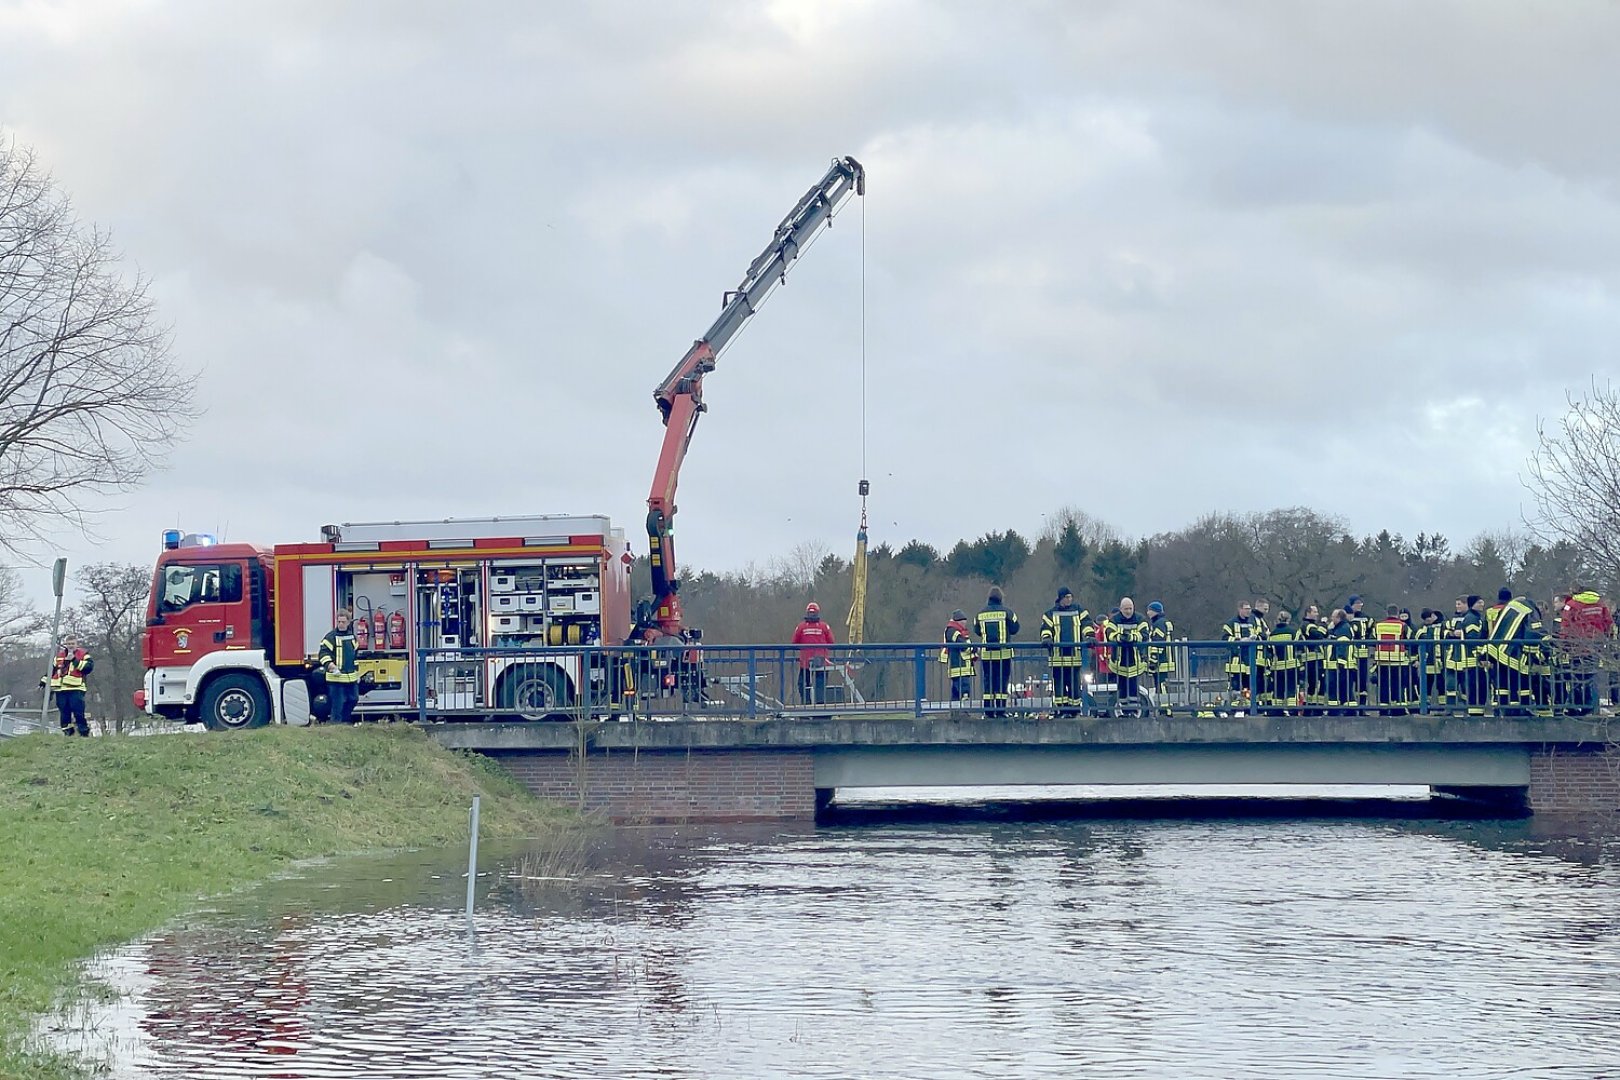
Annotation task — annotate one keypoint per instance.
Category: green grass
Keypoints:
(104, 839)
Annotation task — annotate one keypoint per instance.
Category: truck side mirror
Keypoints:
(156, 620)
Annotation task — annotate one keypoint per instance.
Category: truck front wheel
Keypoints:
(235, 702)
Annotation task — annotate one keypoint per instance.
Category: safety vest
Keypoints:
(1280, 648)
(1390, 633)
(1063, 630)
(956, 651)
(1238, 629)
(1127, 638)
(1161, 658)
(1361, 628)
(69, 671)
(338, 649)
(1341, 647)
(995, 627)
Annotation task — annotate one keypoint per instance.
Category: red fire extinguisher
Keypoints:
(362, 635)
(396, 630)
(379, 627)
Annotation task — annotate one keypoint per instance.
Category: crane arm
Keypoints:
(680, 396)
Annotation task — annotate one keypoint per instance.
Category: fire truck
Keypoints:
(456, 617)
(232, 629)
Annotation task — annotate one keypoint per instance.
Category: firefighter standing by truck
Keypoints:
(69, 671)
(339, 658)
(995, 627)
(1064, 626)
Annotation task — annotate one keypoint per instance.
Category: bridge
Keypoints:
(785, 767)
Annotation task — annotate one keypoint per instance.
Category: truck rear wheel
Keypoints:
(535, 692)
(235, 702)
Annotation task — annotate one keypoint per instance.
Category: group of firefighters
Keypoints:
(1503, 657)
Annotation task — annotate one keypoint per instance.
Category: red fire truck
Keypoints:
(231, 628)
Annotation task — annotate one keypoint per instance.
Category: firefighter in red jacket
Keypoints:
(813, 637)
(1585, 634)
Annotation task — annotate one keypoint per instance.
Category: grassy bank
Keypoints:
(103, 839)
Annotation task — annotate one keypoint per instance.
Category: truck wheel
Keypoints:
(535, 692)
(235, 702)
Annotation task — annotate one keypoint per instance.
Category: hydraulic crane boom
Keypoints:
(680, 395)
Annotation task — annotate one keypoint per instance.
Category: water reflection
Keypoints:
(1219, 946)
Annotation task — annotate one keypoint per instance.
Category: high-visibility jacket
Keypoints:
(1430, 653)
(1493, 613)
(1361, 628)
(1516, 626)
(995, 628)
(957, 652)
(1584, 624)
(69, 670)
(1313, 635)
(1064, 630)
(339, 650)
(1241, 630)
(1390, 633)
(1281, 653)
(1127, 638)
(1341, 646)
(1161, 657)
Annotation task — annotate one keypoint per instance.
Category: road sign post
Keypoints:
(58, 579)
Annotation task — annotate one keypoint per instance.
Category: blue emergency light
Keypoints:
(171, 539)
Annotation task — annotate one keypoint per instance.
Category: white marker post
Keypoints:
(58, 579)
(472, 859)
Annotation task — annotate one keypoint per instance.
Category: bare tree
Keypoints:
(1575, 480)
(19, 622)
(89, 394)
(109, 622)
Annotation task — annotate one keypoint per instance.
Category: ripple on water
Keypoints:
(1275, 948)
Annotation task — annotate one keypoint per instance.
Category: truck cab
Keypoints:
(208, 600)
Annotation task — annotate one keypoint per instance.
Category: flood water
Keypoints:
(1331, 940)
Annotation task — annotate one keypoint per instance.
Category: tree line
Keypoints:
(1292, 557)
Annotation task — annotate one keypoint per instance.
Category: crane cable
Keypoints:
(857, 605)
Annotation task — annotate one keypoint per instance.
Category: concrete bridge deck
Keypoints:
(770, 768)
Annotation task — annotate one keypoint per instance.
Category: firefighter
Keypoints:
(1477, 690)
(813, 638)
(69, 671)
(1282, 656)
(1391, 655)
(1064, 626)
(1312, 653)
(1585, 629)
(1127, 637)
(1361, 626)
(995, 627)
(1456, 679)
(1431, 658)
(338, 657)
(1161, 657)
(1241, 630)
(1261, 610)
(957, 654)
(1339, 663)
(1514, 635)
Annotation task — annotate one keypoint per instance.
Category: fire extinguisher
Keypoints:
(379, 627)
(362, 634)
(396, 630)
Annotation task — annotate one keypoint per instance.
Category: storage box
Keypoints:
(502, 583)
(561, 601)
(506, 624)
(505, 602)
(534, 624)
(532, 602)
(588, 603)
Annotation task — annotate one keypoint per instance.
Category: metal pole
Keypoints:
(58, 578)
(472, 858)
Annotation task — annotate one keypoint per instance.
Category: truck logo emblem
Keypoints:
(182, 639)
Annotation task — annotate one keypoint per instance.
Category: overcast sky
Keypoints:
(1149, 259)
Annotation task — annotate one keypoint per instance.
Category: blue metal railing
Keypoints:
(1198, 678)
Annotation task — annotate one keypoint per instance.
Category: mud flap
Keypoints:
(295, 702)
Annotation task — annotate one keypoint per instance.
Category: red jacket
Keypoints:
(814, 637)
(1585, 616)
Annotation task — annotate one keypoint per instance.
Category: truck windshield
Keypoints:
(212, 583)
